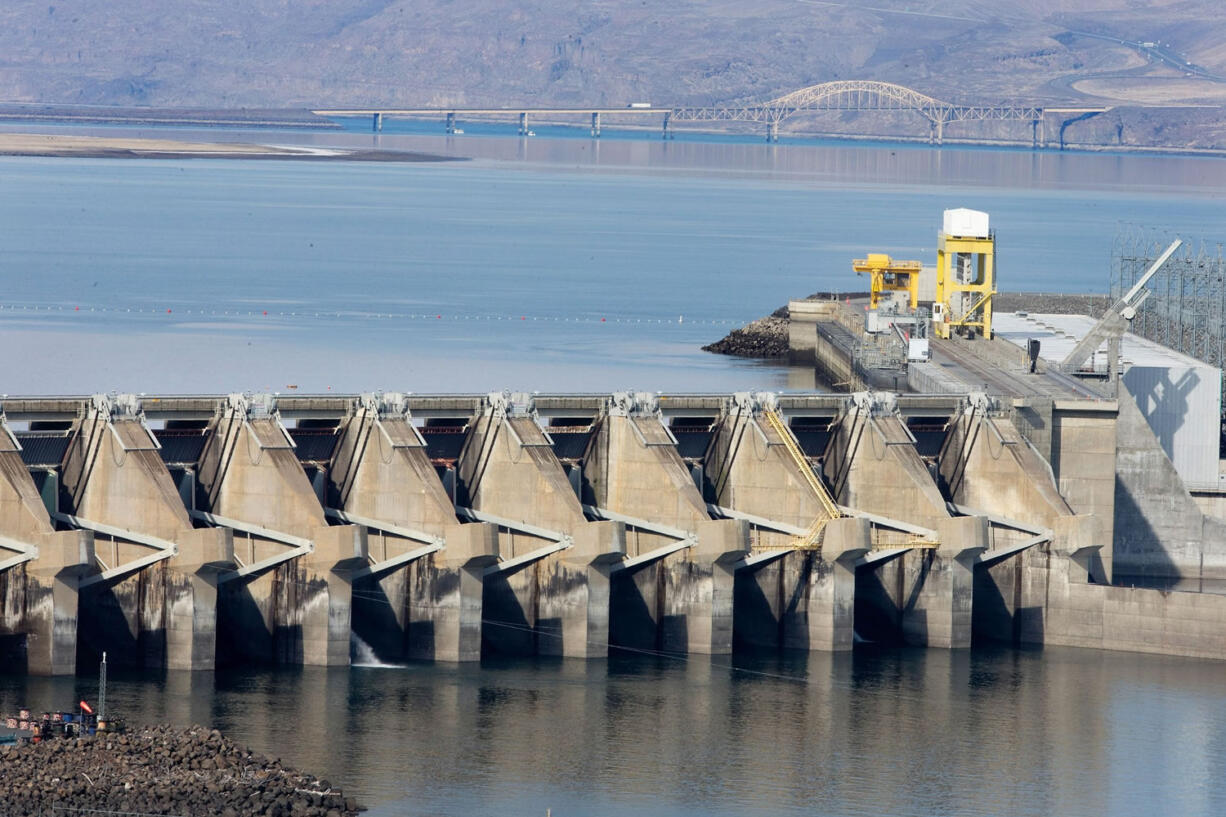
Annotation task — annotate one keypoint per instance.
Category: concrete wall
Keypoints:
(1162, 535)
(163, 614)
(921, 596)
(683, 601)
(556, 605)
(430, 608)
(804, 599)
(299, 610)
(38, 599)
(1084, 461)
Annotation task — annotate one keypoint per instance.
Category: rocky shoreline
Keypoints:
(160, 770)
(767, 338)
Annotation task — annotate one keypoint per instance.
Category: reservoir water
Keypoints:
(551, 264)
(567, 264)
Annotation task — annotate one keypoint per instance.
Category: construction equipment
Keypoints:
(1112, 326)
(887, 275)
(966, 275)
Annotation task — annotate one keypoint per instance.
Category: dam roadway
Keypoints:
(193, 531)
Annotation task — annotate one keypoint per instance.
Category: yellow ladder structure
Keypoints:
(830, 509)
(882, 534)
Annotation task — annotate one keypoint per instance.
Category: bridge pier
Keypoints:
(450, 122)
(772, 131)
(523, 124)
(936, 131)
(667, 134)
(376, 123)
(595, 124)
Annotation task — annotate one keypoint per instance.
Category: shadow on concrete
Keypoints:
(878, 615)
(373, 620)
(505, 629)
(1140, 558)
(13, 656)
(103, 626)
(996, 593)
(632, 617)
(754, 621)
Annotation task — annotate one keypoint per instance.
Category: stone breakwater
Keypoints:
(765, 338)
(160, 770)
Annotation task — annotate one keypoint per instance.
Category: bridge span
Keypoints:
(843, 95)
(193, 531)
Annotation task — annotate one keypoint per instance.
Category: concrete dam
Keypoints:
(189, 532)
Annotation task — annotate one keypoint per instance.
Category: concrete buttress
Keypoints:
(152, 607)
(921, 595)
(39, 587)
(805, 598)
(549, 593)
(429, 607)
(990, 467)
(682, 600)
(290, 600)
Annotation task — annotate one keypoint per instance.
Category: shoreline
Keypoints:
(305, 120)
(108, 147)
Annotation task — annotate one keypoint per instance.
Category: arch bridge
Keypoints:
(842, 95)
(870, 95)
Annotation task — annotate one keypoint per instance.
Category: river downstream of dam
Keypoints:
(905, 732)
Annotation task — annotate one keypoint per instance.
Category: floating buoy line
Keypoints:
(179, 312)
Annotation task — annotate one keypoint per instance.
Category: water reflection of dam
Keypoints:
(193, 531)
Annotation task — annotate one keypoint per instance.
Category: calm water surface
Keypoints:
(898, 732)
(549, 263)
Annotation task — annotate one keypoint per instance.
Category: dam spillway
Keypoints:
(189, 532)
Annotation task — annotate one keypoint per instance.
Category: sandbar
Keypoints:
(109, 147)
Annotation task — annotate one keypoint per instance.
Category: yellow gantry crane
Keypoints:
(888, 275)
(966, 274)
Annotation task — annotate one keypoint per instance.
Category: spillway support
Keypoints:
(682, 602)
(153, 592)
(290, 599)
(557, 604)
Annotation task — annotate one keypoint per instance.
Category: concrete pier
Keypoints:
(921, 596)
(549, 593)
(803, 599)
(420, 596)
(156, 597)
(675, 592)
(39, 572)
(289, 601)
(820, 613)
